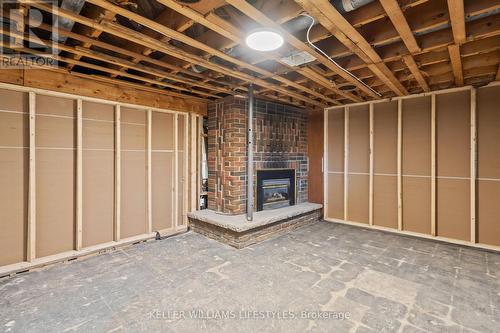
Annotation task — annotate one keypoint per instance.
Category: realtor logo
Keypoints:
(28, 31)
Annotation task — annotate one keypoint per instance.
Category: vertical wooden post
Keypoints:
(117, 173)
(324, 165)
(433, 165)
(370, 197)
(346, 163)
(194, 159)
(31, 237)
(79, 174)
(185, 175)
(473, 165)
(176, 172)
(149, 195)
(399, 167)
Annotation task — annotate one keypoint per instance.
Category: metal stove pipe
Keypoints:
(250, 138)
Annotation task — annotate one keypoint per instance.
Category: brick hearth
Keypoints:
(280, 142)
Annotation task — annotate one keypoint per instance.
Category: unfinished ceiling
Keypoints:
(396, 47)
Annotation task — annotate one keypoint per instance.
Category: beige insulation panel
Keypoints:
(133, 173)
(416, 163)
(453, 160)
(488, 186)
(162, 137)
(13, 176)
(98, 173)
(359, 159)
(358, 198)
(336, 140)
(55, 206)
(385, 136)
(55, 175)
(162, 171)
(335, 196)
(359, 139)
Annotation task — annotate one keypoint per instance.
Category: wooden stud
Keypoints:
(79, 175)
(473, 165)
(346, 163)
(457, 17)
(194, 159)
(185, 174)
(118, 177)
(433, 165)
(399, 162)
(31, 237)
(370, 196)
(149, 165)
(324, 165)
(176, 173)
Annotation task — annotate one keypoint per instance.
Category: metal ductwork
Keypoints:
(345, 6)
(74, 6)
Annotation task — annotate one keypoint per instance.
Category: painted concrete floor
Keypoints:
(307, 280)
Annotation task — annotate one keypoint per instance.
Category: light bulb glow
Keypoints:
(264, 40)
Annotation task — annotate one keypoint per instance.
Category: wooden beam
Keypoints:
(31, 230)
(473, 165)
(456, 64)
(433, 165)
(262, 19)
(400, 164)
(457, 17)
(144, 40)
(398, 19)
(413, 67)
(336, 23)
(185, 173)
(79, 175)
(193, 151)
(118, 177)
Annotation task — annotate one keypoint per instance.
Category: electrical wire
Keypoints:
(330, 58)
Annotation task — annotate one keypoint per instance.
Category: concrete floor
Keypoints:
(381, 282)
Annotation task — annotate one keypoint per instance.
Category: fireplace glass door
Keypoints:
(275, 188)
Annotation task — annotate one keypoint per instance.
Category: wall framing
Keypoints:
(436, 176)
(31, 258)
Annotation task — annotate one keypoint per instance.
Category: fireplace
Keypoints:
(275, 188)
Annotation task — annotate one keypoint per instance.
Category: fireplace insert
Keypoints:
(275, 188)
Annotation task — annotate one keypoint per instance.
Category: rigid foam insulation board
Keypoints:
(335, 196)
(13, 101)
(133, 173)
(162, 136)
(98, 173)
(181, 161)
(336, 140)
(488, 185)
(453, 160)
(162, 170)
(359, 157)
(385, 146)
(55, 175)
(162, 173)
(55, 206)
(14, 135)
(416, 163)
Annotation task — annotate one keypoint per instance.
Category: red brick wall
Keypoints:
(280, 142)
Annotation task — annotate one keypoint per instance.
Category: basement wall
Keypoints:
(80, 174)
(413, 165)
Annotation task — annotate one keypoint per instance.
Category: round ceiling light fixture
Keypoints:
(264, 40)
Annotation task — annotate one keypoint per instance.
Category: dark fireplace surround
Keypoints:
(280, 152)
